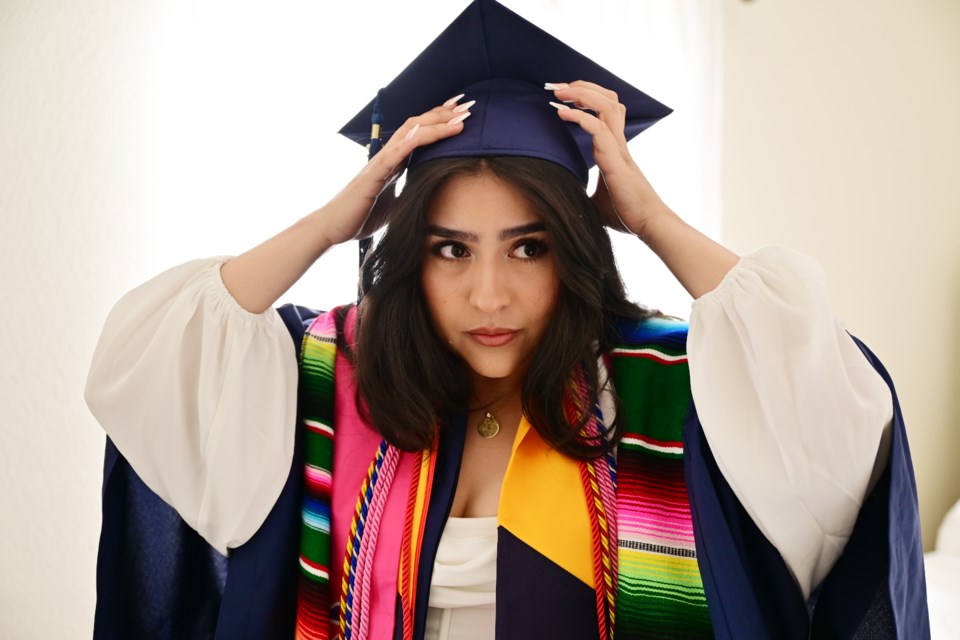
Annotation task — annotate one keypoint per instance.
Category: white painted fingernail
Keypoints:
(412, 133)
(454, 100)
(465, 106)
(555, 86)
(460, 118)
(560, 106)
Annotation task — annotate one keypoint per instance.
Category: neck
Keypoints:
(495, 412)
(495, 392)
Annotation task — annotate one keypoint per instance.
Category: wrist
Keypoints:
(657, 220)
(316, 226)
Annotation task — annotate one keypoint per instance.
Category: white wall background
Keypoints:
(842, 139)
(137, 135)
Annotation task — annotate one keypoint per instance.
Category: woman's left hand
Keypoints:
(624, 197)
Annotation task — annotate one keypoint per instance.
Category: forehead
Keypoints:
(479, 202)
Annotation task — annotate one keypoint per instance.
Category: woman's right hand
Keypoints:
(257, 278)
(364, 205)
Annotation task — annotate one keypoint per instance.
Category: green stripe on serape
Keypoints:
(661, 597)
(314, 545)
(655, 395)
(318, 354)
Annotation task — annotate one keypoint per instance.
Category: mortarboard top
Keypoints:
(501, 60)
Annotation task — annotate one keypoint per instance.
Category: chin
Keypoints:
(493, 373)
(494, 368)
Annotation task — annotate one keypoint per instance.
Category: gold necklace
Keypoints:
(488, 426)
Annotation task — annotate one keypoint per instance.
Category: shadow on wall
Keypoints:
(952, 446)
(950, 494)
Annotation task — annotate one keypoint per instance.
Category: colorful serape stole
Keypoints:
(660, 592)
(317, 358)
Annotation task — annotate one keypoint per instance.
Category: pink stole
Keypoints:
(356, 444)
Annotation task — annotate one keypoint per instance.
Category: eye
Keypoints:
(450, 250)
(529, 250)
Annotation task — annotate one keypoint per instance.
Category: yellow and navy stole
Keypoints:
(584, 550)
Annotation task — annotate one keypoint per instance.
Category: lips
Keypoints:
(492, 337)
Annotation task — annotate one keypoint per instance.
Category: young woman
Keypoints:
(511, 441)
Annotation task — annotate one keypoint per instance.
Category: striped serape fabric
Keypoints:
(660, 592)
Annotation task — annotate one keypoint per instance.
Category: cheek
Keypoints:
(547, 293)
(541, 296)
(439, 289)
(439, 298)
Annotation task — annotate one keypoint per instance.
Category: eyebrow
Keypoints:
(467, 236)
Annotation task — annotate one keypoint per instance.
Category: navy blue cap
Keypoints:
(501, 60)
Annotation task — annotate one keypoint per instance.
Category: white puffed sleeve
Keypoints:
(793, 412)
(199, 395)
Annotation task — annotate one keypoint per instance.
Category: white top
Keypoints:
(200, 396)
(942, 572)
(462, 603)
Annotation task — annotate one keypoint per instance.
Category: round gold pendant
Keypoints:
(489, 426)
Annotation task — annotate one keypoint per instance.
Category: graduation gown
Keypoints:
(157, 578)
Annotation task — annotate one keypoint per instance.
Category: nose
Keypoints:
(489, 290)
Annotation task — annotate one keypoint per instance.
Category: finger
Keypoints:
(587, 95)
(438, 115)
(428, 133)
(583, 84)
(611, 95)
(438, 123)
(390, 162)
(586, 98)
(606, 142)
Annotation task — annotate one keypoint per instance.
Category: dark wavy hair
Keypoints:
(408, 382)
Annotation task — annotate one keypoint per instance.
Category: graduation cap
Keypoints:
(500, 60)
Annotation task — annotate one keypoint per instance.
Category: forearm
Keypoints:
(695, 260)
(258, 277)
